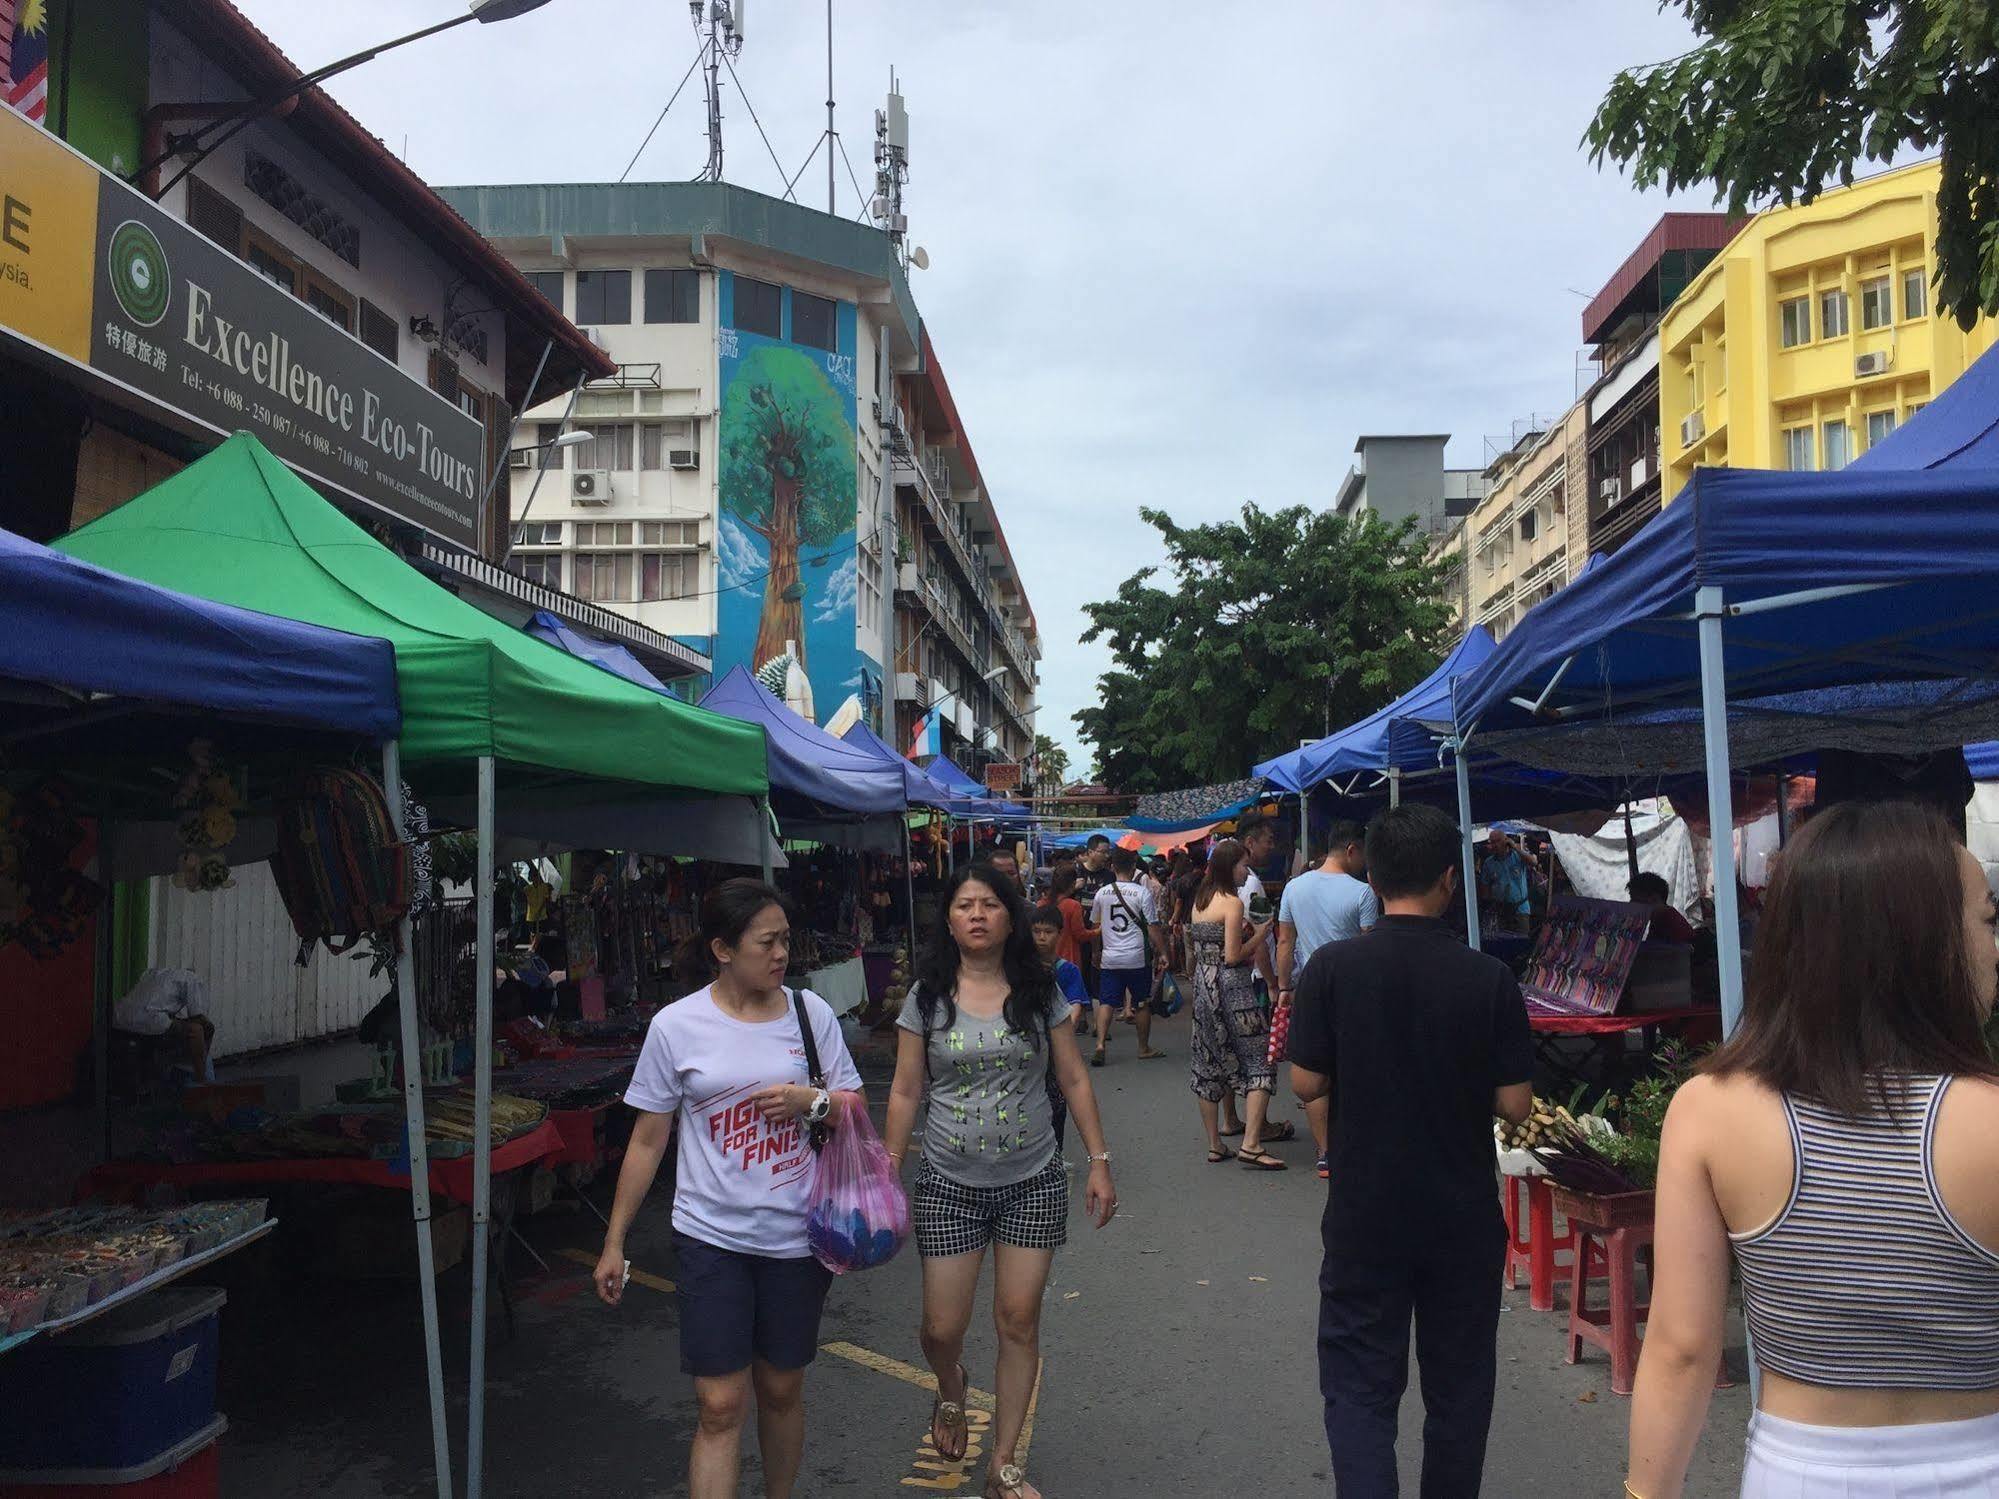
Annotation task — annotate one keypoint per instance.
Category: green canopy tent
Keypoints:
(239, 527)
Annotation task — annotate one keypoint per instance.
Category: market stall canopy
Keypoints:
(239, 527)
(805, 760)
(1872, 584)
(917, 788)
(1164, 843)
(1082, 837)
(983, 803)
(1390, 737)
(553, 630)
(1983, 760)
(1197, 806)
(80, 629)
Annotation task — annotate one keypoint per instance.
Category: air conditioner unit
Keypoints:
(590, 486)
(1610, 490)
(1693, 427)
(683, 458)
(521, 458)
(1872, 364)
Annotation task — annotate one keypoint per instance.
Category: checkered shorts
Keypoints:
(954, 1219)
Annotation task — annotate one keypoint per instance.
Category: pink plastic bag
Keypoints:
(859, 1215)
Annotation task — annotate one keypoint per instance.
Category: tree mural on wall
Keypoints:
(787, 474)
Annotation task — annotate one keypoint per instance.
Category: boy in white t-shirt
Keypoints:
(1134, 950)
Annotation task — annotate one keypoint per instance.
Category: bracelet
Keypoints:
(1105, 1158)
(1630, 1492)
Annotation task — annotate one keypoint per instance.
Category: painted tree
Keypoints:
(787, 474)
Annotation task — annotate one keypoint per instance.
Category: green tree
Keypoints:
(787, 474)
(1276, 627)
(1051, 762)
(1782, 97)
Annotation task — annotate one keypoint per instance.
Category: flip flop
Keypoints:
(1097, 1060)
(1216, 1157)
(1150, 1056)
(1261, 1161)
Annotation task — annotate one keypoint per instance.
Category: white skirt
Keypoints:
(1941, 1460)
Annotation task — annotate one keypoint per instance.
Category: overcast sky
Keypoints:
(1181, 255)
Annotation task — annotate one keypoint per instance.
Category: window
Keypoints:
(656, 442)
(540, 439)
(1798, 453)
(209, 213)
(669, 575)
(1915, 294)
(549, 284)
(1529, 525)
(330, 302)
(379, 332)
(1915, 406)
(1838, 445)
(609, 446)
(603, 297)
(544, 568)
(1832, 314)
(870, 573)
(604, 577)
(268, 261)
(815, 322)
(540, 533)
(673, 296)
(1796, 317)
(1877, 303)
(759, 307)
(1880, 427)
(289, 197)
(670, 533)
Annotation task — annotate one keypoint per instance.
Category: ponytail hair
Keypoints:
(726, 913)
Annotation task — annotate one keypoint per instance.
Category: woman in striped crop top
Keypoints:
(1844, 1145)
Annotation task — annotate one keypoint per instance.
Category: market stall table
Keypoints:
(844, 986)
(1606, 1034)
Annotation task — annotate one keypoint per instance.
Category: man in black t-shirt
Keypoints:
(1418, 1042)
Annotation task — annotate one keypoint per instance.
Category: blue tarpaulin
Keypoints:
(80, 628)
(805, 760)
(615, 659)
(1082, 838)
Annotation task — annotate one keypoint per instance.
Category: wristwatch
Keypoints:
(822, 1105)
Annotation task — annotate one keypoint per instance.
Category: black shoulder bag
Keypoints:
(815, 1134)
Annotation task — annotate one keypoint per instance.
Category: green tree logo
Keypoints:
(787, 474)
(140, 279)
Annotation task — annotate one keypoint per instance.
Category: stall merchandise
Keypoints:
(58, 1262)
(1583, 955)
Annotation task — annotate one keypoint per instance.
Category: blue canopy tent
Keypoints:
(87, 633)
(946, 773)
(1753, 596)
(919, 789)
(812, 770)
(556, 631)
(1982, 760)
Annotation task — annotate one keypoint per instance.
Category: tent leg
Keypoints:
(1469, 874)
(1630, 844)
(1720, 805)
(426, 1256)
(482, 1137)
(763, 839)
(1394, 786)
(1783, 809)
(909, 891)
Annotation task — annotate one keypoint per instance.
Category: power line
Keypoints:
(661, 120)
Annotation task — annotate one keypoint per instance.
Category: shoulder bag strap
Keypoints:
(815, 1134)
(1144, 930)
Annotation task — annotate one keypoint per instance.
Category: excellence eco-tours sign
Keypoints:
(95, 272)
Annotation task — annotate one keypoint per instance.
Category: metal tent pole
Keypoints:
(1783, 809)
(1720, 804)
(1470, 872)
(1630, 843)
(482, 1136)
(426, 1254)
(1394, 786)
(909, 888)
(764, 855)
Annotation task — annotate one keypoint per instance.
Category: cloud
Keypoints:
(738, 559)
(1153, 286)
(842, 591)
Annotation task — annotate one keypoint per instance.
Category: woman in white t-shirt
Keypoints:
(728, 1064)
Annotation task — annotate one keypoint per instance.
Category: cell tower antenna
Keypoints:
(719, 24)
(892, 168)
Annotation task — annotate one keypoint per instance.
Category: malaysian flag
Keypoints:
(29, 63)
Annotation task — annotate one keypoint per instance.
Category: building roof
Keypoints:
(223, 30)
(1360, 443)
(1674, 231)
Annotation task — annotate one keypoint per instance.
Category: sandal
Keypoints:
(1009, 1481)
(1150, 1056)
(1097, 1059)
(1230, 1134)
(1277, 1134)
(1260, 1161)
(1216, 1157)
(949, 1417)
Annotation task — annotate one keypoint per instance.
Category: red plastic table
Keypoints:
(1538, 1248)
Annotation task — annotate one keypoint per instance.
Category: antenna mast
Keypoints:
(832, 135)
(719, 24)
(891, 167)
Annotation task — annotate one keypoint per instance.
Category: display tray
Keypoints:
(139, 1288)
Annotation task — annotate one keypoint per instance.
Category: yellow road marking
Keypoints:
(639, 1277)
(895, 1368)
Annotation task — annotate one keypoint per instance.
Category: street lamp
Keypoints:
(566, 440)
(483, 11)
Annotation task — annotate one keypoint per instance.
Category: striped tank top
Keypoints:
(1864, 1280)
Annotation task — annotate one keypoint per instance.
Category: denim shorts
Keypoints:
(738, 1307)
(1122, 986)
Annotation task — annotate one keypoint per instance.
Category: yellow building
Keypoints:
(1813, 335)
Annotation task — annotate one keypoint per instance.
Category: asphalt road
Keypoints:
(1178, 1358)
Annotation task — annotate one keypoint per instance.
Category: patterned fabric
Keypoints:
(1196, 803)
(1227, 1051)
(1917, 1304)
(955, 1219)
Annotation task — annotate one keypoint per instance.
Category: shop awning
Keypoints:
(239, 527)
(553, 630)
(805, 760)
(78, 628)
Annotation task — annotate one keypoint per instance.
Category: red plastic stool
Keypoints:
(1538, 1248)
